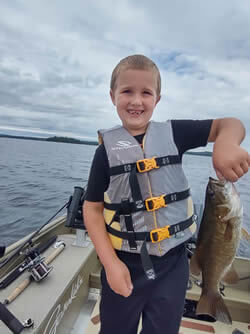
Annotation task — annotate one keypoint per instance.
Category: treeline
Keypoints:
(21, 137)
(71, 140)
(64, 140)
(54, 139)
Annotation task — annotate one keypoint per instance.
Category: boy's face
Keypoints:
(135, 98)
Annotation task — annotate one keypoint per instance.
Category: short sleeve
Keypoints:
(190, 134)
(98, 177)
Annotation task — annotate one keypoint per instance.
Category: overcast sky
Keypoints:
(56, 58)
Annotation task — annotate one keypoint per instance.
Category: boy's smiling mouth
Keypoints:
(135, 112)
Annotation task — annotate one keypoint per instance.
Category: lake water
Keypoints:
(37, 178)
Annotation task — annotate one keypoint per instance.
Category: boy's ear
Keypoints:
(112, 95)
(158, 99)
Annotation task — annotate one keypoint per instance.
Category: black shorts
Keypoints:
(159, 302)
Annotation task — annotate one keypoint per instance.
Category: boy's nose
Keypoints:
(136, 100)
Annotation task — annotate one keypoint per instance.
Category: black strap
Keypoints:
(147, 264)
(141, 236)
(135, 191)
(140, 204)
(145, 237)
(161, 161)
(129, 224)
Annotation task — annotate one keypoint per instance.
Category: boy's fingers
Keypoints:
(129, 283)
(239, 171)
(219, 175)
(230, 176)
(126, 291)
(244, 166)
(248, 159)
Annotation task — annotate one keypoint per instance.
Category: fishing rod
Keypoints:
(38, 273)
(59, 247)
(29, 241)
(28, 263)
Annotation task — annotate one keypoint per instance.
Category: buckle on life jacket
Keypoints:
(160, 234)
(145, 165)
(155, 203)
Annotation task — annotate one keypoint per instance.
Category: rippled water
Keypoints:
(37, 178)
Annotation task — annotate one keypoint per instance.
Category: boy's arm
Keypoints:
(229, 159)
(117, 273)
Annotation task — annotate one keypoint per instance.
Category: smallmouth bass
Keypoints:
(217, 243)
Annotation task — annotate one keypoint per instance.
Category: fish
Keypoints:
(217, 242)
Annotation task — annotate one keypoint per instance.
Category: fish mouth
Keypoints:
(228, 187)
(228, 197)
(218, 186)
(217, 181)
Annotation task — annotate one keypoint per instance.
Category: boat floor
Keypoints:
(188, 326)
(237, 298)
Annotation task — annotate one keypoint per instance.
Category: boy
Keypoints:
(145, 274)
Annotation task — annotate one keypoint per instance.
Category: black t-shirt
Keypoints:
(188, 134)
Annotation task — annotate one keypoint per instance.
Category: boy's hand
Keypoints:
(230, 161)
(119, 279)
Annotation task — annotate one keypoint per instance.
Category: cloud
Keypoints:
(56, 60)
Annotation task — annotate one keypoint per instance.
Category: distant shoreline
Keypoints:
(55, 139)
(69, 140)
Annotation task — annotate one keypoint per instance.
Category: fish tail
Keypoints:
(194, 265)
(213, 305)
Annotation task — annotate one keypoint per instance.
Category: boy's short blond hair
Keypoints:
(136, 62)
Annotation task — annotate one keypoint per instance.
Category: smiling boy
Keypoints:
(139, 211)
(135, 95)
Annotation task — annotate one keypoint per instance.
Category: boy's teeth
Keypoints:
(135, 112)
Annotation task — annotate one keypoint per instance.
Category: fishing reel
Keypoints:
(75, 217)
(36, 265)
(74, 209)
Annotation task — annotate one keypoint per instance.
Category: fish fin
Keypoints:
(213, 305)
(231, 276)
(194, 265)
(245, 234)
(228, 233)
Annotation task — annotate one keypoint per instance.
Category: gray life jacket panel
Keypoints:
(122, 150)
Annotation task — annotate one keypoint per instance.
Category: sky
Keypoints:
(56, 59)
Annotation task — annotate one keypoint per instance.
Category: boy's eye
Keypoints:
(126, 91)
(147, 92)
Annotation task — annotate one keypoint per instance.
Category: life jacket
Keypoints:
(147, 206)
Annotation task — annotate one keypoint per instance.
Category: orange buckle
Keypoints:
(155, 203)
(145, 165)
(159, 234)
